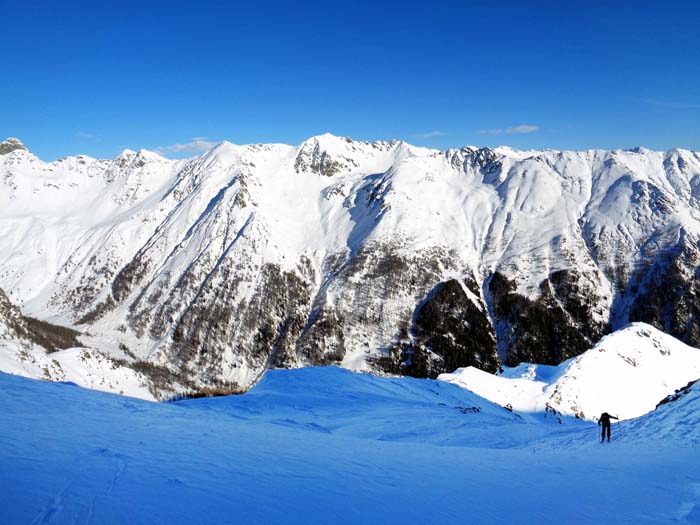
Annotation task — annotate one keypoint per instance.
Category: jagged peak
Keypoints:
(11, 144)
(143, 155)
(471, 156)
(469, 150)
(347, 146)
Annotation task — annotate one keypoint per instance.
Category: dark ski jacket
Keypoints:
(605, 419)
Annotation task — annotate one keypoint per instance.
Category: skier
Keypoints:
(605, 421)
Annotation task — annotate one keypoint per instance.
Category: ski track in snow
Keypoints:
(324, 445)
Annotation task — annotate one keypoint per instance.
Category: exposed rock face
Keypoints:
(374, 256)
(451, 331)
(666, 292)
(10, 145)
(549, 329)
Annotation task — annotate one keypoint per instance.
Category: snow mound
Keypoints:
(627, 373)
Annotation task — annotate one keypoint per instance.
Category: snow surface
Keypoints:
(324, 445)
(626, 374)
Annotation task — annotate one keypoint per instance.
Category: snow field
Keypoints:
(325, 445)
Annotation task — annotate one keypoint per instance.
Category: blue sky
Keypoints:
(98, 77)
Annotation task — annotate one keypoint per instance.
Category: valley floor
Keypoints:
(324, 445)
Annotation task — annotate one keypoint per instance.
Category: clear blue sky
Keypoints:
(97, 77)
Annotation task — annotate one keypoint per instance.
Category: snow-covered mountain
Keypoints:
(626, 374)
(202, 273)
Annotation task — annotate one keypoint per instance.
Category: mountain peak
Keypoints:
(224, 150)
(328, 136)
(326, 140)
(11, 144)
(126, 153)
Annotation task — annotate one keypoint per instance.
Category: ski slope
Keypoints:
(325, 445)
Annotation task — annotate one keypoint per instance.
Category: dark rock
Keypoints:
(10, 145)
(539, 331)
(678, 394)
(451, 327)
(666, 292)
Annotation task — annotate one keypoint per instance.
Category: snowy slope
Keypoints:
(626, 374)
(40, 350)
(352, 449)
(81, 366)
(373, 255)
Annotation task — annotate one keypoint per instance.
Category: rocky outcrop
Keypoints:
(549, 329)
(367, 302)
(451, 329)
(10, 145)
(666, 291)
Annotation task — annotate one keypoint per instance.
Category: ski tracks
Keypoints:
(690, 509)
(52, 508)
(64, 508)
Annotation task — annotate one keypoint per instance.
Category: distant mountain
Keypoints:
(380, 256)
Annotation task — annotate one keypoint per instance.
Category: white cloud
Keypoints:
(87, 136)
(429, 135)
(513, 130)
(522, 128)
(195, 145)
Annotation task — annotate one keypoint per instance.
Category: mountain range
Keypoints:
(198, 275)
